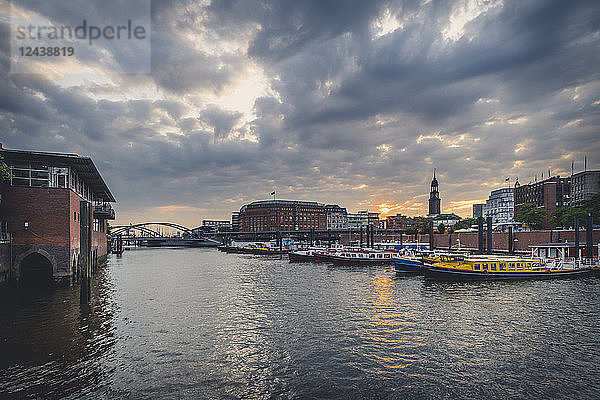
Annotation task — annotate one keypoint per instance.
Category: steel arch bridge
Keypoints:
(146, 230)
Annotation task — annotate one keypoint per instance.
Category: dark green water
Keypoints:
(194, 323)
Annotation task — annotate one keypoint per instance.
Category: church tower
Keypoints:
(434, 198)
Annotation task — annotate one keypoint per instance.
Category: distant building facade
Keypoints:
(447, 220)
(215, 225)
(358, 220)
(55, 207)
(372, 218)
(478, 210)
(434, 198)
(363, 219)
(500, 206)
(337, 217)
(583, 186)
(235, 221)
(399, 221)
(548, 194)
(282, 215)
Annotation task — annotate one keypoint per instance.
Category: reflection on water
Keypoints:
(196, 323)
(389, 326)
(51, 347)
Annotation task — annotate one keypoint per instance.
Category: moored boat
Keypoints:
(357, 257)
(302, 255)
(313, 254)
(458, 267)
(407, 263)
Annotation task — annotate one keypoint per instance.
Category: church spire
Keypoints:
(434, 197)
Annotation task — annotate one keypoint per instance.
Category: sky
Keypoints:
(341, 102)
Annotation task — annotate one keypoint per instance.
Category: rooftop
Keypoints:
(83, 166)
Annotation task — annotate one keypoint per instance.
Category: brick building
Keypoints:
(399, 221)
(55, 207)
(282, 215)
(548, 194)
(584, 185)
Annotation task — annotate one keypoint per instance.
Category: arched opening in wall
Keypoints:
(36, 270)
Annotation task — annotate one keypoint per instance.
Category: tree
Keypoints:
(531, 215)
(464, 223)
(411, 230)
(565, 216)
(441, 228)
(421, 226)
(592, 206)
(4, 170)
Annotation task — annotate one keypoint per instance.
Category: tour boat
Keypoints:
(263, 250)
(357, 257)
(307, 255)
(459, 267)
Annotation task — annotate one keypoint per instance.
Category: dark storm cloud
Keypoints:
(222, 121)
(518, 92)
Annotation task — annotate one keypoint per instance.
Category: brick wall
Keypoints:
(100, 242)
(500, 239)
(45, 209)
(74, 221)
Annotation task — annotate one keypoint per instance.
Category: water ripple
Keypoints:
(196, 323)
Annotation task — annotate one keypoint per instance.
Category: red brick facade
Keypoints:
(44, 209)
(282, 215)
(500, 239)
(53, 228)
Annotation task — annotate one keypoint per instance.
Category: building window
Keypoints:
(75, 215)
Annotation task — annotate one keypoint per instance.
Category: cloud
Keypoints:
(318, 99)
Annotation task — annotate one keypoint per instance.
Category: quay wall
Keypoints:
(500, 239)
(470, 240)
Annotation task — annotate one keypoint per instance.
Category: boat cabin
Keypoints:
(562, 251)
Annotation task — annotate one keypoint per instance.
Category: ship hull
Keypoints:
(404, 265)
(297, 257)
(441, 273)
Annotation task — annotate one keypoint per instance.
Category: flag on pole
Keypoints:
(507, 179)
(273, 193)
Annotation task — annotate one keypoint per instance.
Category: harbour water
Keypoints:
(196, 323)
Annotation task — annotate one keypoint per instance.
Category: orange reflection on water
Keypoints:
(386, 336)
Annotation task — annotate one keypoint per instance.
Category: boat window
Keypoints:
(520, 266)
(386, 256)
(493, 266)
(485, 266)
(511, 266)
(476, 266)
(502, 266)
(379, 255)
(353, 255)
(528, 266)
(371, 255)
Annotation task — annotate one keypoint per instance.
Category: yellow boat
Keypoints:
(459, 267)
